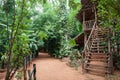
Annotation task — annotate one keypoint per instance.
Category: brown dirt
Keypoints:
(49, 68)
(2, 75)
(54, 69)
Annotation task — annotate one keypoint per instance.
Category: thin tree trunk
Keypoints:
(12, 38)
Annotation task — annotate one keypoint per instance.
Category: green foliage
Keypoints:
(109, 16)
(56, 23)
(19, 75)
(8, 5)
(116, 61)
(27, 25)
(64, 50)
(75, 57)
(72, 43)
(75, 4)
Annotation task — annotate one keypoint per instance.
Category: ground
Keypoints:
(54, 69)
(49, 68)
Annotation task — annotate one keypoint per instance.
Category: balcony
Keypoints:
(88, 25)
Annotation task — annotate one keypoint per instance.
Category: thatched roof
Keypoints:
(87, 6)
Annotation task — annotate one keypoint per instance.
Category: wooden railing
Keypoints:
(110, 63)
(88, 25)
(27, 61)
(88, 43)
(110, 58)
(32, 74)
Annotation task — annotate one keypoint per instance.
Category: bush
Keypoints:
(116, 60)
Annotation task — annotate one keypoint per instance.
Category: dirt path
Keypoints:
(54, 69)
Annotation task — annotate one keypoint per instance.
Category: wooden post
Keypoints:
(83, 62)
(84, 27)
(2, 64)
(109, 49)
(34, 71)
(85, 39)
(110, 53)
(24, 68)
(29, 75)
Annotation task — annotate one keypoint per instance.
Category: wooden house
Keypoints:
(96, 56)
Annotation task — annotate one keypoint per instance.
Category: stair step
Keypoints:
(96, 41)
(95, 45)
(101, 65)
(96, 73)
(96, 50)
(98, 38)
(100, 47)
(103, 71)
(97, 65)
(101, 60)
(99, 74)
(100, 71)
(97, 57)
(101, 29)
(100, 42)
(97, 54)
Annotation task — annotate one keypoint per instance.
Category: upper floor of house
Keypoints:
(87, 15)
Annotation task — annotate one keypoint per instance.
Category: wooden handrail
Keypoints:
(94, 26)
(92, 31)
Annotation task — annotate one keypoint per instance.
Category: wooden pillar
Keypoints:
(109, 46)
(25, 68)
(110, 53)
(83, 20)
(85, 39)
(84, 27)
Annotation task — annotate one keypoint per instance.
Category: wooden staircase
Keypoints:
(97, 56)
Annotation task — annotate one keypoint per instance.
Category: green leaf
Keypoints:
(72, 42)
